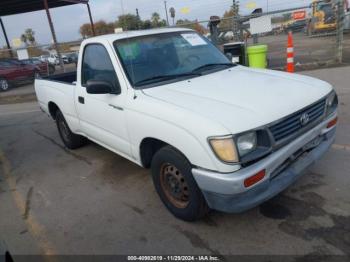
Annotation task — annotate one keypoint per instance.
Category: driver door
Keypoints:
(102, 116)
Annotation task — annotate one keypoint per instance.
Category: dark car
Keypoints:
(13, 71)
(72, 58)
(296, 26)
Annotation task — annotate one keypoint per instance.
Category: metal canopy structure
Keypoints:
(13, 7)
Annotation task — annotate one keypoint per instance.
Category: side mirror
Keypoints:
(98, 87)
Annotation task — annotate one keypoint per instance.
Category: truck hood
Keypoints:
(241, 98)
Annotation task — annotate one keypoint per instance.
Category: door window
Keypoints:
(97, 65)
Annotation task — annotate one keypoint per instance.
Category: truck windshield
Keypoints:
(152, 60)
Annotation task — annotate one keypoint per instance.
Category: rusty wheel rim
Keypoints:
(174, 185)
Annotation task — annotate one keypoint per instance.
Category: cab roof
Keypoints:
(130, 34)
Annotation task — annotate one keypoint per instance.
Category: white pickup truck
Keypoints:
(216, 135)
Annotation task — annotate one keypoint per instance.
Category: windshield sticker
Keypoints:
(194, 39)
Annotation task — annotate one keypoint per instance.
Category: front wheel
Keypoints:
(70, 140)
(4, 85)
(175, 185)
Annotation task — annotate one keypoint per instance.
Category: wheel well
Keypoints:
(53, 109)
(149, 146)
(8, 257)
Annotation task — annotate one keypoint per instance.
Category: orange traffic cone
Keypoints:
(290, 54)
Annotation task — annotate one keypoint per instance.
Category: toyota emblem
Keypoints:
(304, 119)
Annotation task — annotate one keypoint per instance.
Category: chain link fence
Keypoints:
(317, 42)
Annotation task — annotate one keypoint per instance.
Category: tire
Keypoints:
(70, 140)
(51, 69)
(36, 74)
(171, 173)
(4, 85)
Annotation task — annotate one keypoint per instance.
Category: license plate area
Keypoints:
(297, 155)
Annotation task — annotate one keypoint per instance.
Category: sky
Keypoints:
(67, 20)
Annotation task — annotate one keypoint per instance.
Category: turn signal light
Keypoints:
(332, 122)
(254, 179)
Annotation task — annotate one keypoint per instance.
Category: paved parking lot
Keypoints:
(91, 201)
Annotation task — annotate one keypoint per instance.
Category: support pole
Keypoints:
(340, 31)
(6, 39)
(91, 21)
(53, 34)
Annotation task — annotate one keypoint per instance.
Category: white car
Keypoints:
(215, 134)
(44, 58)
(53, 59)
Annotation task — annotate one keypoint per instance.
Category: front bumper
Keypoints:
(226, 191)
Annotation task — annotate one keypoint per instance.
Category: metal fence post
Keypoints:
(339, 31)
(213, 26)
(46, 5)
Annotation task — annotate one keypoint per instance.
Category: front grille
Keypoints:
(292, 123)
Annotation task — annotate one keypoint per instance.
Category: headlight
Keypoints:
(332, 102)
(224, 148)
(246, 143)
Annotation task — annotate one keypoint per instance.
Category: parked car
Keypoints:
(216, 135)
(45, 67)
(13, 71)
(72, 58)
(44, 58)
(53, 59)
(65, 59)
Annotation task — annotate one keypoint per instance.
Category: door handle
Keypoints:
(81, 100)
(116, 107)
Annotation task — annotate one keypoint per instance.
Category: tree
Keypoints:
(172, 13)
(155, 19)
(28, 36)
(128, 22)
(146, 24)
(101, 28)
(226, 22)
(192, 25)
(85, 30)
(24, 39)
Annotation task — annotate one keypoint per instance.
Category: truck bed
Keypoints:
(67, 78)
(59, 90)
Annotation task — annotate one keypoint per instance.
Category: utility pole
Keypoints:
(267, 6)
(235, 26)
(166, 13)
(46, 5)
(138, 18)
(91, 21)
(6, 39)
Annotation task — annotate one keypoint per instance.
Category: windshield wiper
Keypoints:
(158, 78)
(209, 66)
